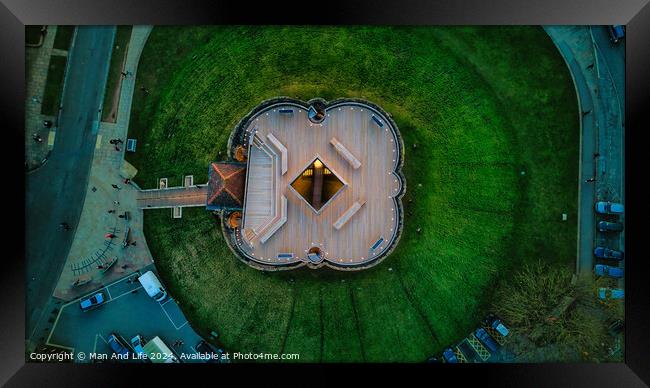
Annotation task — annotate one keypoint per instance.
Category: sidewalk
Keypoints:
(90, 247)
(37, 65)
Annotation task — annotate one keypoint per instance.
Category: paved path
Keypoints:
(129, 310)
(55, 192)
(38, 63)
(597, 68)
(91, 247)
(173, 197)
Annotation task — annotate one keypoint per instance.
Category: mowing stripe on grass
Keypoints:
(356, 321)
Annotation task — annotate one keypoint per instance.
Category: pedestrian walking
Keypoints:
(127, 181)
(590, 67)
(109, 235)
(121, 216)
(584, 113)
(116, 187)
(119, 141)
(124, 74)
(590, 180)
(112, 141)
(64, 226)
(100, 267)
(37, 138)
(133, 243)
(47, 123)
(117, 148)
(596, 155)
(111, 211)
(116, 203)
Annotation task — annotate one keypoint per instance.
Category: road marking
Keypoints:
(109, 295)
(50, 138)
(98, 144)
(125, 293)
(168, 317)
(167, 301)
(181, 326)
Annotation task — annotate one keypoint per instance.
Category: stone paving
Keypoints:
(37, 64)
(91, 246)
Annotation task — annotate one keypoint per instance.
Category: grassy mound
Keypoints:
(489, 122)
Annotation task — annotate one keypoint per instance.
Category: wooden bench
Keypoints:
(345, 153)
(345, 217)
(283, 152)
(281, 220)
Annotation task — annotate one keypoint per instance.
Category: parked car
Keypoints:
(606, 226)
(608, 270)
(609, 208)
(495, 322)
(92, 302)
(486, 340)
(118, 345)
(605, 293)
(449, 356)
(616, 33)
(212, 355)
(137, 344)
(606, 253)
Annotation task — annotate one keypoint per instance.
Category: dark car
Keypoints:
(118, 345)
(486, 340)
(616, 33)
(449, 356)
(211, 355)
(606, 253)
(606, 226)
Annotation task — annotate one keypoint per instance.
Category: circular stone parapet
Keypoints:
(323, 185)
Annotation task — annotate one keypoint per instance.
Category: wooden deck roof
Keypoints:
(366, 159)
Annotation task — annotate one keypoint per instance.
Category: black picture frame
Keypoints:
(635, 14)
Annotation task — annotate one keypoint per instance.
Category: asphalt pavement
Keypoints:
(128, 311)
(55, 192)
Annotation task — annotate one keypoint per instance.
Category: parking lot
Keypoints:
(128, 311)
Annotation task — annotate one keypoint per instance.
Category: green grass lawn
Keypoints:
(53, 85)
(109, 108)
(63, 37)
(494, 115)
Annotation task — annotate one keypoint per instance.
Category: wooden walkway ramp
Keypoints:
(173, 197)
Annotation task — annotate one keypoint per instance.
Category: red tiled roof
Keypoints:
(226, 185)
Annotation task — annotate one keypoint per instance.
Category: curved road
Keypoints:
(55, 193)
